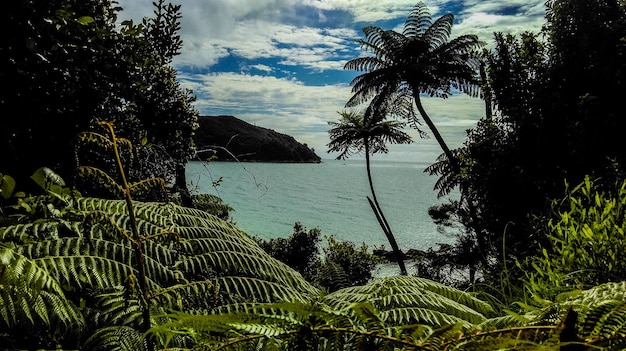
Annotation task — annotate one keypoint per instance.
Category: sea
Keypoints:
(269, 198)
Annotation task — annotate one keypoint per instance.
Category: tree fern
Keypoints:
(29, 292)
(194, 262)
(404, 299)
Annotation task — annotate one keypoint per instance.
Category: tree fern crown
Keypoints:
(420, 59)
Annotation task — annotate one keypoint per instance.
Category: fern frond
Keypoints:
(601, 313)
(77, 246)
(116, 338)
(416, 299)
(160, 215)
(17, 270)
(188, 296)
(92, 138)
(147, 185)
(238, 289)
(212, 204)
(101, 178)
(200, 245)
(119, 309)
(416, 315)
(19, 304)
(88, 271)
(418, 21)
(27, 290)
(310, 314)
(30, 232)
(258, 266)
(367, 316)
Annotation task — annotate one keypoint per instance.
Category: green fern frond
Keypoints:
(145, 227)
(17, 270)
(27, 290)
(160, 215)
(77, 246)
(309, 314)
(30, 232)
(236, 289)
(102, 179)
(217, 232)
(418, 299)
(188, 296)
(96, 139)
(609, 319)
(416, 315)
(601, 314)
(147, 185)
(212, 204)
(531, 339)
(368, 317)
(103, 205)
(119, 309)
(19, 303)
(116, 338)
(190, 213)
(501, 322)
(199, 245)
(166, 256)
(88, 271)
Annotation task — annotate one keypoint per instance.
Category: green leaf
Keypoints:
(85, 20)
(7, 186)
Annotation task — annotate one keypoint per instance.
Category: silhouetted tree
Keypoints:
(354, 134)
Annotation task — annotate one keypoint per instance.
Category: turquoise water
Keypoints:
(269, 198)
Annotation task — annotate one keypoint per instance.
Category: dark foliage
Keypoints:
(557, 117)
(337, 265)
(68, 64)
(299, 251)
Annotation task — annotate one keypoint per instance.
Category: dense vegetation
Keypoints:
(553, 118)
(102, 248)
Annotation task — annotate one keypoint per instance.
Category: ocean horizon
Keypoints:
(269, 198)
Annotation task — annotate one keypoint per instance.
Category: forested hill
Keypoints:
(230, 136)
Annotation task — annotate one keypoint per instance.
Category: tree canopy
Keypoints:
(555, 97)
(67, 64)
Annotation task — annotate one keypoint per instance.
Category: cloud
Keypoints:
(285, 105)
(279, 63)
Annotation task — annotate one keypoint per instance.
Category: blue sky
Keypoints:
(279, 64)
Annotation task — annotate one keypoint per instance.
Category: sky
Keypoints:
(278, 64)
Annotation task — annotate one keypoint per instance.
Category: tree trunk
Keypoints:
(181, 185)
(456, 168)
(381, 217)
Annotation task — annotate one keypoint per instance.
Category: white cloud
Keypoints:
(270, 31)
(367, 11)
(285, 105)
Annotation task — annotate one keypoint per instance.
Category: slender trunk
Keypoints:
(456, 168)
(181, 185)
(433, 129)
(380, 216)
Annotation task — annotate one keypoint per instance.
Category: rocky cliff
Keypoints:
(233, 139)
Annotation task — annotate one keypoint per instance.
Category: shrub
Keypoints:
(338, 265)
(299, 251)
(586, 241)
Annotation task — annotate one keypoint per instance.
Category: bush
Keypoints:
(586, 242)
(340, 264)
(344, 265)
(299, 251)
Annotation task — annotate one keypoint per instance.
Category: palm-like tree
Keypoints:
(419, 60)
(354, 134)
